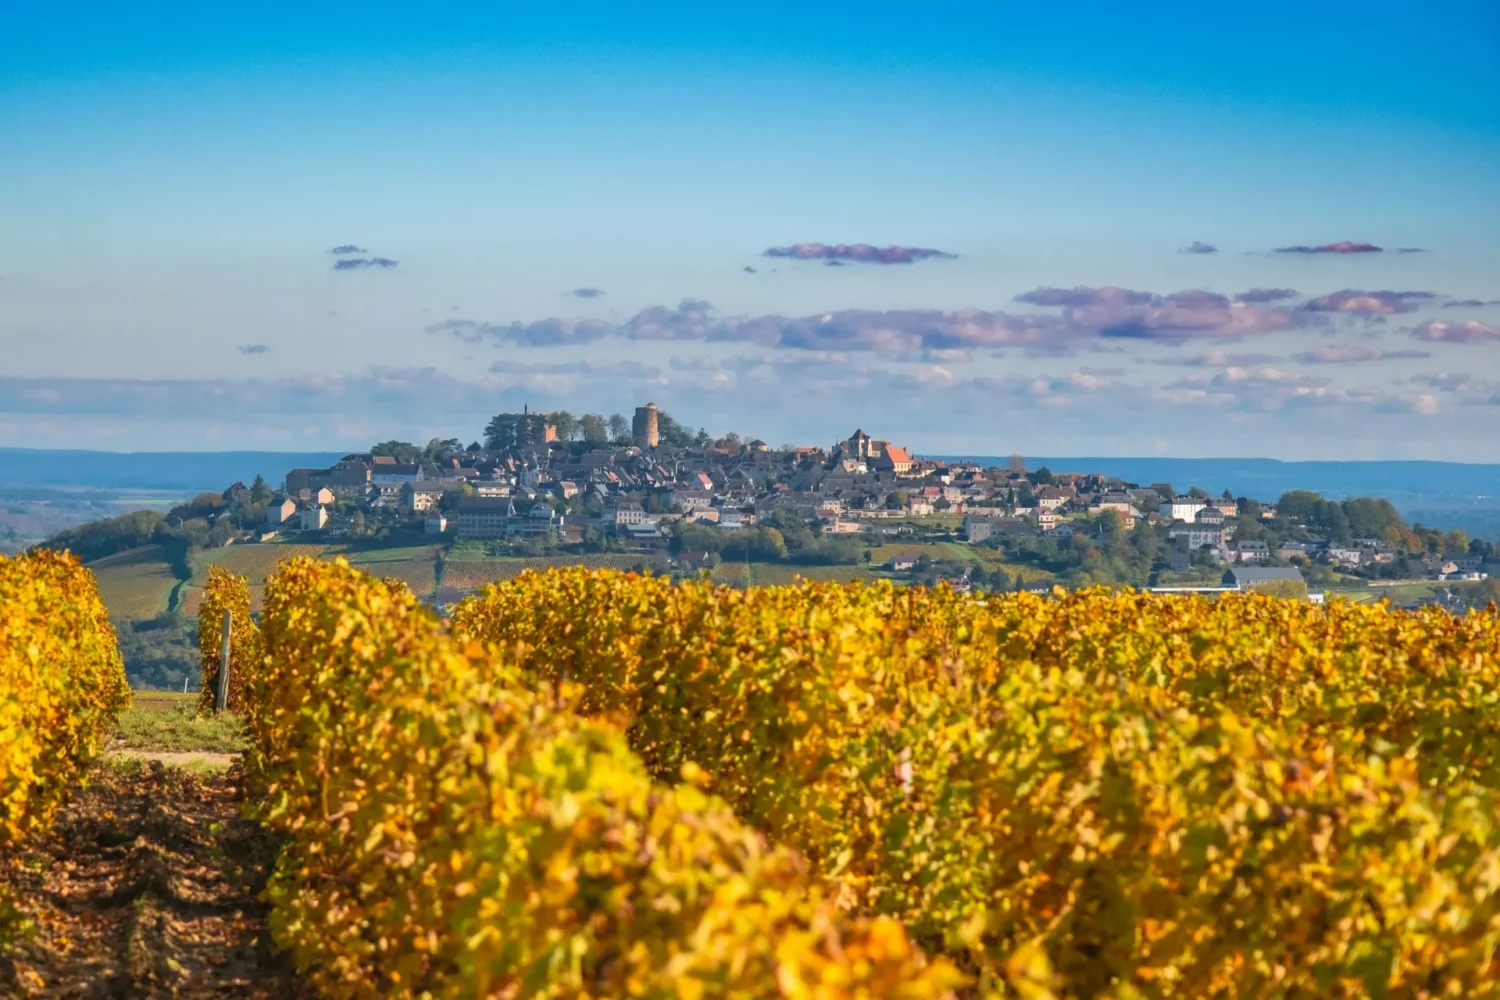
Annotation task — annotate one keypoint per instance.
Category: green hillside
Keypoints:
(135, 584)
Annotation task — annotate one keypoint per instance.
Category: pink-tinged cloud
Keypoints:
(1348, 354)
(1361, 303)
(1196, 299)
(1082, 296)
(1219, 359)
(857, 253)
(1442, 331)
(1264, 295)
(689, 321)
(1088, 317)
(1337, 248)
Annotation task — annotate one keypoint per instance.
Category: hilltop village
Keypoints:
(530, 488)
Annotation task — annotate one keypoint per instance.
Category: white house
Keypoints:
(1182, 508)
(313, 518)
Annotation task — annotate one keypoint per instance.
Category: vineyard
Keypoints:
(61, 684)
(593, 783)
(471, 574)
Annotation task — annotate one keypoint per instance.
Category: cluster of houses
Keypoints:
(633, 492)
(540, 488)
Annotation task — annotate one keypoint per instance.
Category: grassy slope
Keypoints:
(164, 722)
(135, 583)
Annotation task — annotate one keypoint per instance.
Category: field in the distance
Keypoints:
(140, 583)
(135, 584)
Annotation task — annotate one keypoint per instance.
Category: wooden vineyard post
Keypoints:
(221, 692)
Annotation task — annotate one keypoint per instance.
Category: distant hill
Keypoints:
(148, 470)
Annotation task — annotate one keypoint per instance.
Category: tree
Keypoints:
(565, 422)
(794, 531)
(474, 446)
(1369, 517)
(440, 451)
(449, 500)
(1042, 477)
(594, 430)
(1111, 524)
(259, 491)
(105, 537)
(669, 432)
(1456, 543)
(404, 452)
(1197, 493)
(1016, 464)
(619, 429)
(702, 439)
(1226, 495)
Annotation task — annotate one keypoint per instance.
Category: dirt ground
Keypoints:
(146, 887)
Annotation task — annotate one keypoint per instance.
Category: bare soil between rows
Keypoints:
(146, 886)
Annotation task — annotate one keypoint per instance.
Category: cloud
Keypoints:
(1198, 246)
(948, 355)
(586, 293)
(1265, 389)
(362, 263)
(1470, 304)
(1197, 299)
(563, 376)
(345, 249)
(1083, 296)
(255, 349)
(857, 253)
(1337, 248)
(749, 270)
(1470, 332)
(1262, 295)
(695, 363)
(1219, 359)
(908, 334)
(1411, 249)
(543, 333)
(1420, 403)
(1453, 382)
(1368, 303)
(689, 321)
(1348, 354)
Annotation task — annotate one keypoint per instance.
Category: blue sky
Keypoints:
(179, 176)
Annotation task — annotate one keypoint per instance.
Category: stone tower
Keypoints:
(643, 428)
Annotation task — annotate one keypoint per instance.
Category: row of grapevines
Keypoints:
(224, 591)
(62, 683)
(1171, 797)
(449, 833)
